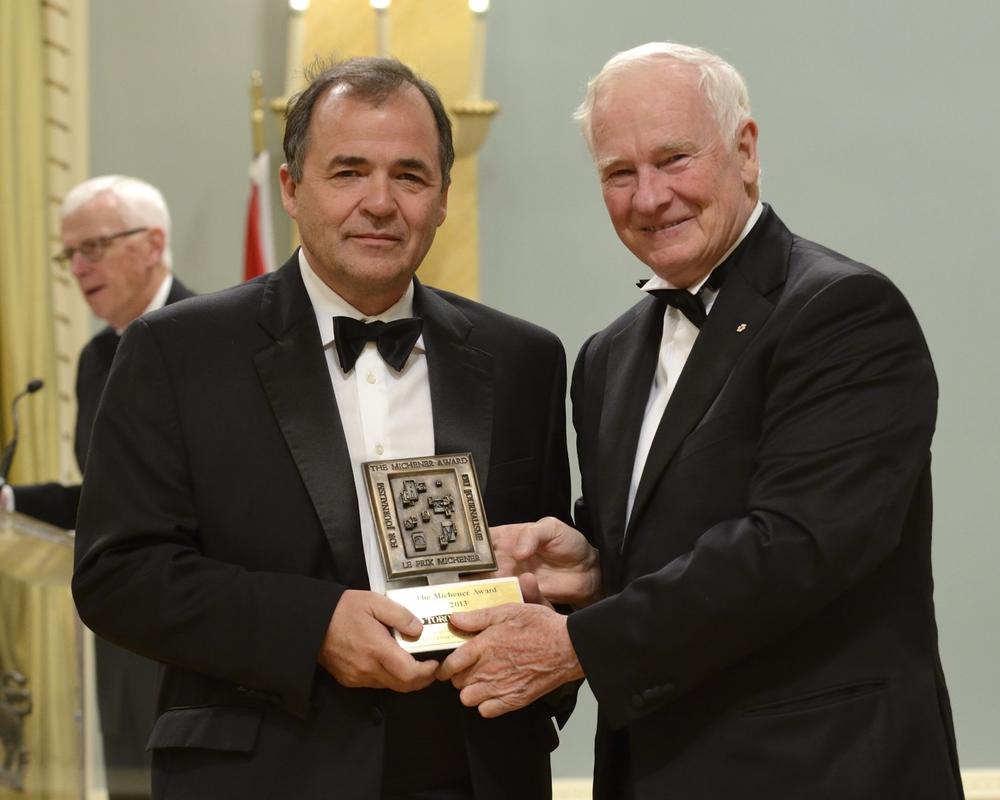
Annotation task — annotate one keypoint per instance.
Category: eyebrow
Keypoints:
(660, 150)
(675, 146)
(415, 164)
(346, 161)
(606, 163)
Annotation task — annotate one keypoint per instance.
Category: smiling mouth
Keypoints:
(667, 227)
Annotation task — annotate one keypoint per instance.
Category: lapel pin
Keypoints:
(741, 327)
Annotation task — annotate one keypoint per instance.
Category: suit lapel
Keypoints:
(739, 313)
(632, 358)
(294, 373)
(461, 381)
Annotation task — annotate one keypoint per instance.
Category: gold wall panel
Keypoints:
(434, 37)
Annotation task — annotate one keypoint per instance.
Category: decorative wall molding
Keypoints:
(67, 129)
(571, 789)
(980, 784)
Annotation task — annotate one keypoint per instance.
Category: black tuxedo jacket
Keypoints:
(219, 527)
(57, 503)
(769, 627)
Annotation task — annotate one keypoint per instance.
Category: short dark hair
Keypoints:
(373, 80)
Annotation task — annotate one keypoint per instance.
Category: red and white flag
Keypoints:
(258, 247)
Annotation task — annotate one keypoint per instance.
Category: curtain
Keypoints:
(26, 322)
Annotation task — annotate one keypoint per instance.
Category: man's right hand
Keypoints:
(567, 568)
(360, 651)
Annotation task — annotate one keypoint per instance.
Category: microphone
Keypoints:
(8, 453)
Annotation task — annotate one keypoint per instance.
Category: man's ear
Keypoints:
(443, 210)
(157, 240)
(288, 187)
(746, 146)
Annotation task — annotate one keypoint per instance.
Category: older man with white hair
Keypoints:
(753, 577)
(115, 233)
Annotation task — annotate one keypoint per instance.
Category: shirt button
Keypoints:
(371, 377)
(379, 449)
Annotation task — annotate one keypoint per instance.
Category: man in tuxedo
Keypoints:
(115, 232)
(754, 591)
(224, 529)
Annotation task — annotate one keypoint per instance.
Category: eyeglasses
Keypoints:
(93, 249)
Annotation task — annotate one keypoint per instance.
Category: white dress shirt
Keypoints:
(159, 297)
(676, 343)
(384, 413)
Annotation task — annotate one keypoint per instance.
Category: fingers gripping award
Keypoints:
(431, 528)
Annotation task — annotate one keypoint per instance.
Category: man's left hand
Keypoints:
(520, 653)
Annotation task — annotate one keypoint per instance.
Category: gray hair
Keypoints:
(723, 87)
(140, 204)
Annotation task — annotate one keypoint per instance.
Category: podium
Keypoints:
(43, 736)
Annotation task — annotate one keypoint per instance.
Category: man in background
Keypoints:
(754, 592)
(115, 233)
(224, 528)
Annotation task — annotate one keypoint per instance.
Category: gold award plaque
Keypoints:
(430, 525)
(434, 605)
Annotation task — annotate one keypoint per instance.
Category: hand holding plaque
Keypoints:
(430, 525)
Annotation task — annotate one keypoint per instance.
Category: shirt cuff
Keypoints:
(6, 498)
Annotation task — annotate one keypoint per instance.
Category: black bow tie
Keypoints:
(691, 305)
(394, 340)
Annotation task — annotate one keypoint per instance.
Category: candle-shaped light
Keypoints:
(381, 25)
(477, 56)
(293, 51)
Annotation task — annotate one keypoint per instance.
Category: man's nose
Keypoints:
(653, 191)
(78, 265)
(378, 200)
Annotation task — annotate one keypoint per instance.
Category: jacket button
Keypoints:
(376, 715)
